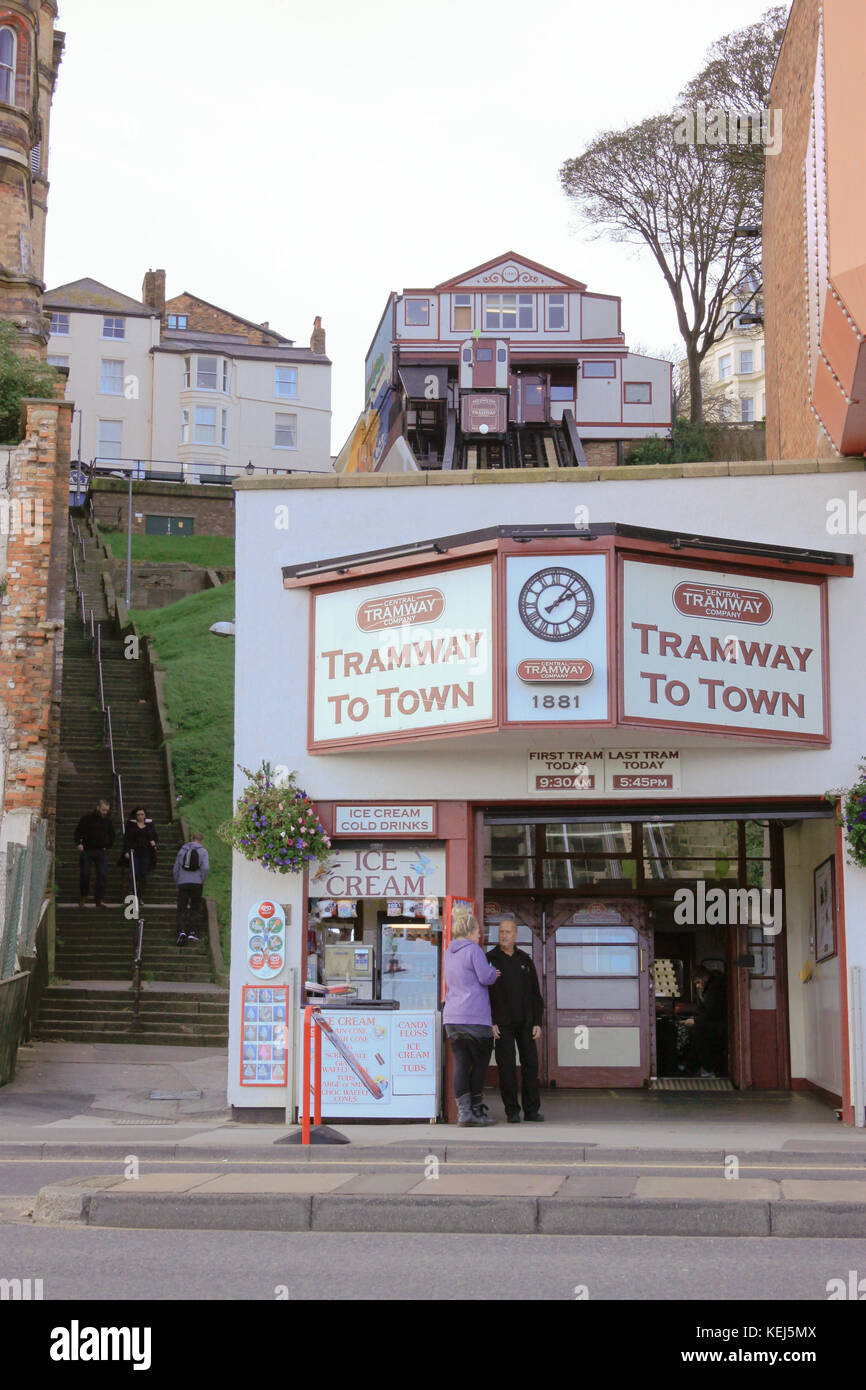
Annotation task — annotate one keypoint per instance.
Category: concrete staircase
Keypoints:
(180, 1002)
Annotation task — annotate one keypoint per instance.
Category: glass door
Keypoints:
(597, 995)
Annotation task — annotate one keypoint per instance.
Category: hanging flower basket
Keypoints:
(853, 818)
(276, 824)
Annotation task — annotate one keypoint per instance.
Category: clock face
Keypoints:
(556, 604)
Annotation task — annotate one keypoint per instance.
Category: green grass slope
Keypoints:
(199, 698)
(211, 552)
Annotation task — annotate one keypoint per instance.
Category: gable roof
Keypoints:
(93, 295)
(230, 313)
(511, 270)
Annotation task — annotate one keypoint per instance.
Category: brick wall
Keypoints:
(204, 318)
(600, 453)
(792, 429)
(31, 613)
(212, 508)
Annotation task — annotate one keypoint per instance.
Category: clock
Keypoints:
(556, 604)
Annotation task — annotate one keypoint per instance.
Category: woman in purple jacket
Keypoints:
(467, 1018)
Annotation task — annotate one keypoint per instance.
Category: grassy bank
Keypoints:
(199, 697)
(211, 552)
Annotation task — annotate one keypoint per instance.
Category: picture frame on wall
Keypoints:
(824, 890)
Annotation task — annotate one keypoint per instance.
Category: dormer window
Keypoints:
(8, 55)
(556, 311)
(417, 313)
(177, 321)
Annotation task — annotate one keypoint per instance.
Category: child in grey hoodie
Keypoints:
(190, 870)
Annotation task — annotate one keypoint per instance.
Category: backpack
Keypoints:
(190, 861)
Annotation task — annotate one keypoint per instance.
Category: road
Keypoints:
(92, 1263)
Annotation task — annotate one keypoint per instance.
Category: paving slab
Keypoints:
(708, 1189)
(599, 1185)
(273, 1183)
(392, 1183)
(157, 1182)
(489, 1185)
(823, 1190)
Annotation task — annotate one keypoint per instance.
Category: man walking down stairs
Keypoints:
(90, 997)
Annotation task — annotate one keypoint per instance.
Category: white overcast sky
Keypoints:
(285, 159)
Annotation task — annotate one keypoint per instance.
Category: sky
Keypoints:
(285, 159)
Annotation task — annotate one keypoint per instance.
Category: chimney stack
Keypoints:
(153, 291)
(317, 340)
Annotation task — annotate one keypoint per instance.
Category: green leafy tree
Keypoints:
(19, 377)
(685, 199)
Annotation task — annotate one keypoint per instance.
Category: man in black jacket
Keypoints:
(94, 836)
(517, 1008)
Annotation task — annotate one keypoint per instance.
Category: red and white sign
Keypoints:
(401, 658)
(555, 672)
(398, 1052)
(720, 650)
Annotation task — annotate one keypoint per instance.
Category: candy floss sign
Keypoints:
(723, 651)
(402, 657)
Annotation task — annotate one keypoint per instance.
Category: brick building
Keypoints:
(815, 237)
(193, 391)
(30, 53)
(507, 365)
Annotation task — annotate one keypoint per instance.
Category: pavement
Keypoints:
(136, 1137)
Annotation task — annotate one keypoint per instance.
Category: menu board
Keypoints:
(378, 1065)
(266, 940)
(265, 1035)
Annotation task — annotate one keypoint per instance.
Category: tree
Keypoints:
(19, 377)
(684, 194)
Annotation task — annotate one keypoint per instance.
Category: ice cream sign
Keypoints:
(266, 939)
(365, 871)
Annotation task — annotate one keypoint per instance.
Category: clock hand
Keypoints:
(567, 593)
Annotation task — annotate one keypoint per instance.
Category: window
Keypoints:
(58, 362)
(638, 393)
(60, 324)
(417, 312)
(556, 311)
(562, 393)
(184, 427)
(224, 429)
(509, 311)
(599, 369)
(747, 410)
(205, 424)
(484, 354)
(113, 328)
(206, 373)
(36, 159)
(462, 311)
(285, 381)
(109, 434)
(177, 320)
(286, 432)
(763, 363)
(763, 407)
(747, 362)
(111, 377)
(8, 54)
(726, 366)
(186, 373)
(226, 375)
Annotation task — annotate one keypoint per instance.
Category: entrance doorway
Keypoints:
(593, 962)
